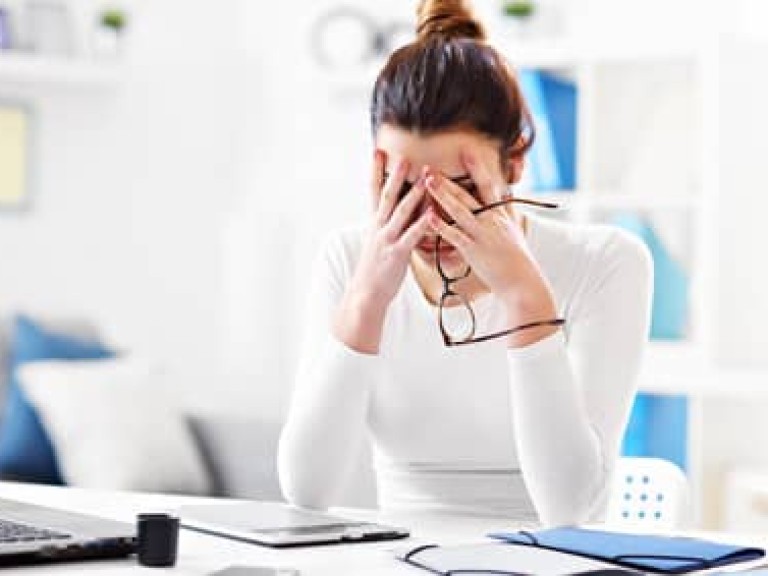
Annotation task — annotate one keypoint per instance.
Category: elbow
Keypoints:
(566, 514)
(580, 500)
(298, 484)
(571, 513)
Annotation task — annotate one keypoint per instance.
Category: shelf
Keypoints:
(610, 201)
(26, 69)
(682, 368)
(566, 53)
(749, 386)
(547, 53)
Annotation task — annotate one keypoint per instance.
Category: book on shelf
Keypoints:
(552, 104)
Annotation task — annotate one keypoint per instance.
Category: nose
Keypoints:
(428, 201)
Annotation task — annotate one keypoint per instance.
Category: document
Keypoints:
(501, 558)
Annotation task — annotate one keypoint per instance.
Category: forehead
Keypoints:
(441, 151)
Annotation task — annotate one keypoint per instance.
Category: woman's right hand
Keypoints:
(386, 252)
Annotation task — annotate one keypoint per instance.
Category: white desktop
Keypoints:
(201, 554)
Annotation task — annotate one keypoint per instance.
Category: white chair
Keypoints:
(648, 494)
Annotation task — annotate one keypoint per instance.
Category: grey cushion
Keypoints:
(241, 454)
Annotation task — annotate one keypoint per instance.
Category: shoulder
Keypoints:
(340, 249)
(597, 254)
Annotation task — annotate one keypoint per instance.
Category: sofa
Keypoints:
(238, 451)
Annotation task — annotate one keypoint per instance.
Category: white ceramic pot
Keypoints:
(106, 42)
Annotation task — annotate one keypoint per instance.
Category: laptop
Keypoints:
(281, 525)
(31, 534)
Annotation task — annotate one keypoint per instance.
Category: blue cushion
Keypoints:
(26, 453)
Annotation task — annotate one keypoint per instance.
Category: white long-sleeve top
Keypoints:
(526, 432)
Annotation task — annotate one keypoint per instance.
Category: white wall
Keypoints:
(166, 206)
(307, 156)
(131, 183)
(743, 310)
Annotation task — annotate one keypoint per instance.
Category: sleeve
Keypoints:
(327, 419)
(571, 397)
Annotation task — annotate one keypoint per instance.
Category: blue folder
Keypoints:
(552, 101)
(665, 554)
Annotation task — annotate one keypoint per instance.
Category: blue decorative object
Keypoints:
(658, 427)
(669, 316)
(5, 30)
(635, 441)
(560, 97)
(552, 103)
(26, 453)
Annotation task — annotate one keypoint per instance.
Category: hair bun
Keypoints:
(449, 19)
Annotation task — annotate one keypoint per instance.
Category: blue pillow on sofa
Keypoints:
(26, 453)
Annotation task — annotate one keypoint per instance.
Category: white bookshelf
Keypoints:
(615, 162)
(30, 70)
(646, 137)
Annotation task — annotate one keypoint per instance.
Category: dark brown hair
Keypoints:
(449, 78)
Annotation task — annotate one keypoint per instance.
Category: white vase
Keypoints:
(520, 29)
(106, 42)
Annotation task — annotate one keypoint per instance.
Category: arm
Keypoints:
(340, 363)
(327, 418)
(571, 402)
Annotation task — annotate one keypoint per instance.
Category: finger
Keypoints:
(403, 212)
(487, 190)
(377, 177)
(454, 236)
(461, 214)
(390, 192)
(467, 198)
(416, 231)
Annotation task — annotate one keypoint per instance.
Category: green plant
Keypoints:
(113, 18)
(519, 8)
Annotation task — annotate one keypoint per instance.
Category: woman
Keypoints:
(525, 418)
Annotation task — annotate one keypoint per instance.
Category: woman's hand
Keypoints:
(494, 245)
(390, 239)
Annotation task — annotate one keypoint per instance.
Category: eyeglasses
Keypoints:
(460, 327)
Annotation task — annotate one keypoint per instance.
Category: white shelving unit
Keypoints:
(20, 69)
(646, 140)
(665, 79)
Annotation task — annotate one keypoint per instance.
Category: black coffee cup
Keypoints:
(158, 539)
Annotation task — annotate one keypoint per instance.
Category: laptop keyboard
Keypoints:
(16, 532)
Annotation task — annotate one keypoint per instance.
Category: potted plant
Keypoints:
(111, 23)
(519, 13)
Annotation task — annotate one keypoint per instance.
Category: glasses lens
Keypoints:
(456, 317)
(450, 263)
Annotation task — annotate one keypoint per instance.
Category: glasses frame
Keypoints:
(448, 282)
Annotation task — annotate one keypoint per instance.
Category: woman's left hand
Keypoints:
(492, 242)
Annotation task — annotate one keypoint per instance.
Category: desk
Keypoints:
(200, 554)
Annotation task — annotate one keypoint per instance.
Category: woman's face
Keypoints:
(442, 152)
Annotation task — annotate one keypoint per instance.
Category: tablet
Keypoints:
(281, 525)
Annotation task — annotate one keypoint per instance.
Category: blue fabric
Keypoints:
(658, 426)
(669, 314)
(26, 452)
(668, 554)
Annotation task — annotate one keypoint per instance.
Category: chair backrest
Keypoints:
(648, 494)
